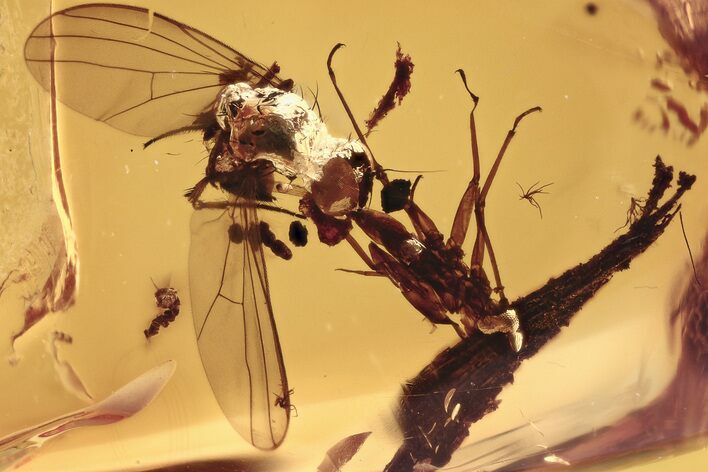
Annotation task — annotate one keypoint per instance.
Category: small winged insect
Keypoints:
(168, 303)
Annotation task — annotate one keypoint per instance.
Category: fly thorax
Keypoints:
(267, 123)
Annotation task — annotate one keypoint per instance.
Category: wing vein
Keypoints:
(126, 110)
(188, 31)
(221, 285)
(129, 43)
(129, 69)
(245, 343)
(169, 20)
(257, 251)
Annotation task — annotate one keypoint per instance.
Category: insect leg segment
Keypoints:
(390, 233)
(424, 226)
(223, 205)
(399, 261)
(483, 239)
(418, 292)
(378, 170)
(465, 208)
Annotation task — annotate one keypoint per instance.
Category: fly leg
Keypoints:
(193, 194)
(224, 204)
(465, 208)
(425, 228)
(378, 170)
(482, 240)
(418, 292)
(474, 199)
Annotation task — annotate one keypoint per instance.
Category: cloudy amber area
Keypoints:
(348, 341)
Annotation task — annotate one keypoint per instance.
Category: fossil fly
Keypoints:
(149, 75)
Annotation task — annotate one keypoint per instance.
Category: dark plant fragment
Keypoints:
(473, 372)
(342, 452)
(679, 411)
(399, 88)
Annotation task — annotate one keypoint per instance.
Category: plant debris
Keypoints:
(399, 88)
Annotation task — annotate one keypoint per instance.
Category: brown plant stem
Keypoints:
(461, 384)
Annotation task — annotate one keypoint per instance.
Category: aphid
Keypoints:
(530, 193)
(168, 303)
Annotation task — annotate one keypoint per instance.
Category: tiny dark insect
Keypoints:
(168, 303)
(636, 207)
(591, 8)
(60, 336)
(283, 401)
(530, 194)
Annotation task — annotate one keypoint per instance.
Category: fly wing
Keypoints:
(136, 70)
(236, 332)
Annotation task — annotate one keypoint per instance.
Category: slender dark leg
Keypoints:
(378, 170)
(360, 252)
(223, 204)
(474, 199)
(195, 192)
(483, 241)
(422, 223)
(464, 211)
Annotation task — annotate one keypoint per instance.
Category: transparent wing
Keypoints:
(138, 71)
(236, 332)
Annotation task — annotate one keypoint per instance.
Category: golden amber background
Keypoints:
(349, 342)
